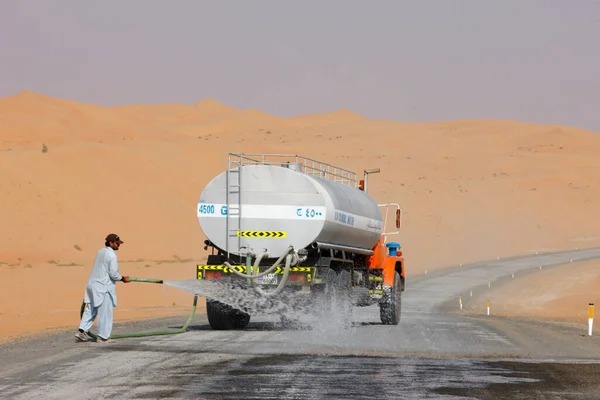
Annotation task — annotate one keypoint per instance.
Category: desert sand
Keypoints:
(559, 294)
(71, 172)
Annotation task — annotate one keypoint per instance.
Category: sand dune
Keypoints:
(470, 190)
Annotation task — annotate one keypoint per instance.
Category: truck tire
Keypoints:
(224, 317)
(391, 306)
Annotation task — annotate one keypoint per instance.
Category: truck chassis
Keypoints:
(332, 279)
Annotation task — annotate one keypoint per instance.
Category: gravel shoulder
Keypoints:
(47, 348)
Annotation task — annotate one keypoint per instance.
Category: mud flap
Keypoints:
(342, 297)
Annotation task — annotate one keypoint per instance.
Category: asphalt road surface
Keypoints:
(437, 352)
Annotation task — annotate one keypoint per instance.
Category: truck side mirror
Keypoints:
(398, 218)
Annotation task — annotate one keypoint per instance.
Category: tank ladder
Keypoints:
(233, 218)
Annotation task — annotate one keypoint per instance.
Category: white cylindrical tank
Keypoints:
(282, 206)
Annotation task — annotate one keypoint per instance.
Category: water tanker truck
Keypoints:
(288, 223)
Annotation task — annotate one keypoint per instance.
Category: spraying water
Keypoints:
(294, 307)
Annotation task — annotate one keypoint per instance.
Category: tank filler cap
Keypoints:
(393, 248)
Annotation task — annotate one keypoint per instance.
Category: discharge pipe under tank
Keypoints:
(329, 246)
(291, 258)
(289, 251)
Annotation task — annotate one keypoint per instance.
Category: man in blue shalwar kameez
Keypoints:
(100, 292)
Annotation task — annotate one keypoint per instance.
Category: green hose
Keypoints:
(150, 280)
(154, 333)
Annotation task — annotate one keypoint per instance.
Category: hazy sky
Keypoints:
(528, 60)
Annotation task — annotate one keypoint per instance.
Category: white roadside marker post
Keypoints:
(488, 310)
(590, 318)
(460, 301)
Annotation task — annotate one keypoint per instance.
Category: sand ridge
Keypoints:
(470, 190)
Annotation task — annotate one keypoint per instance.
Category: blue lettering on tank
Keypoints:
(344, 218)
(223, 210)
(308, 212)
(377, 225)
(206, 209)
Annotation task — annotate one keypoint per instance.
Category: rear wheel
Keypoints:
(391, 305)
(332, 297)
(224, 317)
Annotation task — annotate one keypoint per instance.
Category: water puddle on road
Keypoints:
(317, 377)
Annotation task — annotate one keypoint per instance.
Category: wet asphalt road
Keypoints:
(436, 352)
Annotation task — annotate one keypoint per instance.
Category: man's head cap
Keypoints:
(113, 237)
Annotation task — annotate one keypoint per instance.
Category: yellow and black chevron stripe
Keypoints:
(224, 268)
(262, 234)
(242, 268)
(279, 270)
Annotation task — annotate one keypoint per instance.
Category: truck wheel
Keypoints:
(224, 317)
(391, 305)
